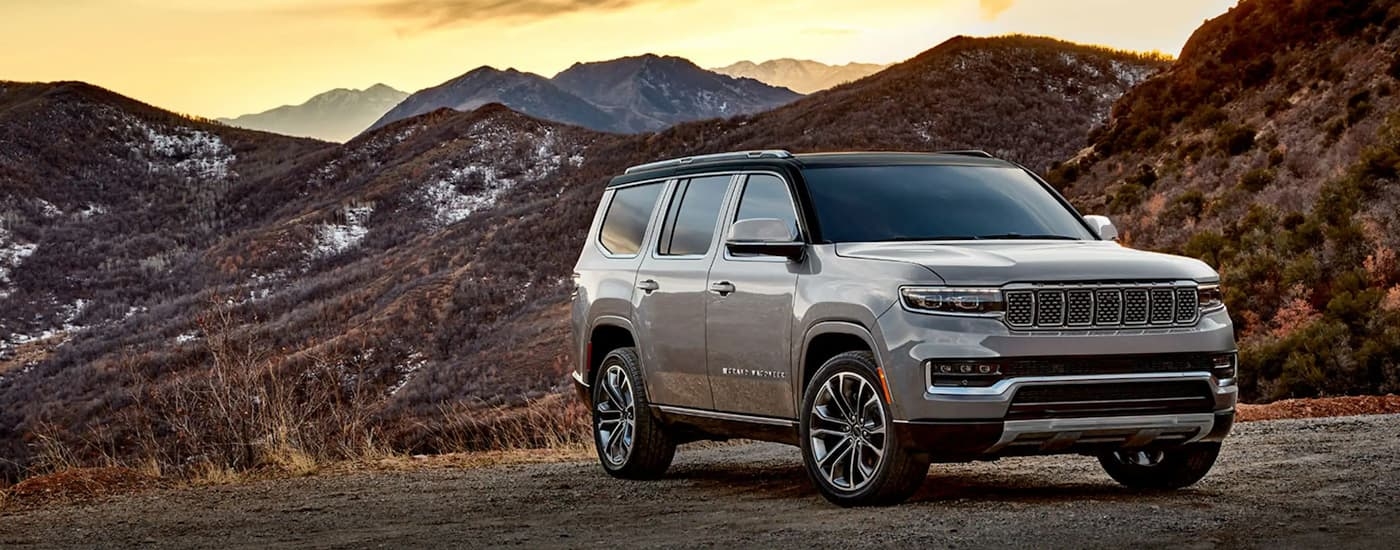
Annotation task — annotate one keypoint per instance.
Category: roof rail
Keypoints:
(739, 155)
(969, 153)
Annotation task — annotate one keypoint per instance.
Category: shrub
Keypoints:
(1128, 196)
(1234, 140)
(1188, 205)
(1257, 179)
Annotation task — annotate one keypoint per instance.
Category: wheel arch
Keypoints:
(825, 340)
(605, 335)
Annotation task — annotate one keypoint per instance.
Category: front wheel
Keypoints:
(1167, 469)
(848, 445)
(631, 442)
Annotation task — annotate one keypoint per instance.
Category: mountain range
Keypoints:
(629, 95)
(425, 263)
(800, 75)
(337, 115)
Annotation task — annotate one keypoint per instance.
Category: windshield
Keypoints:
(917, 203)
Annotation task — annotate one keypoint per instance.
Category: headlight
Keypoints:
(953, 300)
(1210, 297)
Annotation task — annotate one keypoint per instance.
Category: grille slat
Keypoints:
(1102, 306)
(1079, 308)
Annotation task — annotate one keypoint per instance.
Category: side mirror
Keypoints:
(766, 237)
(1103, 227)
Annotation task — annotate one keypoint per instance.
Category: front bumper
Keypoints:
(970, 440)
(911, 338)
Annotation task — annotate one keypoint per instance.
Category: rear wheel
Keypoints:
(847, 437)
(631, 442)
(1167, 469)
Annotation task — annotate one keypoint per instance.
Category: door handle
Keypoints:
(723, 288)
(649, 286)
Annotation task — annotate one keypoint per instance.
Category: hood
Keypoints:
(995, 263)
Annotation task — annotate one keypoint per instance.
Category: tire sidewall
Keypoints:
(831, 368)
(613, 359)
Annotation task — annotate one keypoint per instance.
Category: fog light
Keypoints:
(963, 373)
(1223, 365)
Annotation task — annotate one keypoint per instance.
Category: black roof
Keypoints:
(783, 161)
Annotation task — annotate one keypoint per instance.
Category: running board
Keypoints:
(730, 417)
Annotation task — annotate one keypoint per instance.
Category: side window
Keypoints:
(767, 196)
(692, 216)
(625, 224)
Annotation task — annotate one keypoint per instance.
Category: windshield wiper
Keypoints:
(1028, 237)
(934, 238)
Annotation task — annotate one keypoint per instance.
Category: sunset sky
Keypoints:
(224, 58)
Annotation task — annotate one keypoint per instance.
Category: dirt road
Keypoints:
(1290, 483)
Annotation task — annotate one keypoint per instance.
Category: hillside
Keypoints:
(800, 75)
(1271, 149)
(363, 292)
(337, 115)
(1028, 99)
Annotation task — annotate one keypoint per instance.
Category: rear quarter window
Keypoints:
(625, 224)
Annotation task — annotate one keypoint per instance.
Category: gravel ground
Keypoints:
(1285, 483)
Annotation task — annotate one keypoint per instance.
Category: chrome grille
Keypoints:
(1109, 305)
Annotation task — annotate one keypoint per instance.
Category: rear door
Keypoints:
(671, 292)
(749, 315)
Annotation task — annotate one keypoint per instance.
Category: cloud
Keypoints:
(442, 13)
(991, 9)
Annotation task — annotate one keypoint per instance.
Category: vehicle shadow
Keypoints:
(789, 481)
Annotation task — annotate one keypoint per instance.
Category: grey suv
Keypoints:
(883, 311)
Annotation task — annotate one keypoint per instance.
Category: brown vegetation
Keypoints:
(1271, 150)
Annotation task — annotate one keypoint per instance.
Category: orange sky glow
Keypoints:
(218, 58)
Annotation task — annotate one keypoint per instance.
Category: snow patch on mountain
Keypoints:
(461, 191)
(12, 254)
(195, 154)
(334, 238)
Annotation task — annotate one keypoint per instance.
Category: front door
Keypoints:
(671, 293)
(749, 315)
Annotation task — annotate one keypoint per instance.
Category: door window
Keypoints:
(625, 224)
(692, 216)
(766, 196)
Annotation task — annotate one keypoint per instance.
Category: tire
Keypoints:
(884, 471)
(1161, 470)
(630, 439)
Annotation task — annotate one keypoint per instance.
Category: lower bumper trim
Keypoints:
(970, 439)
